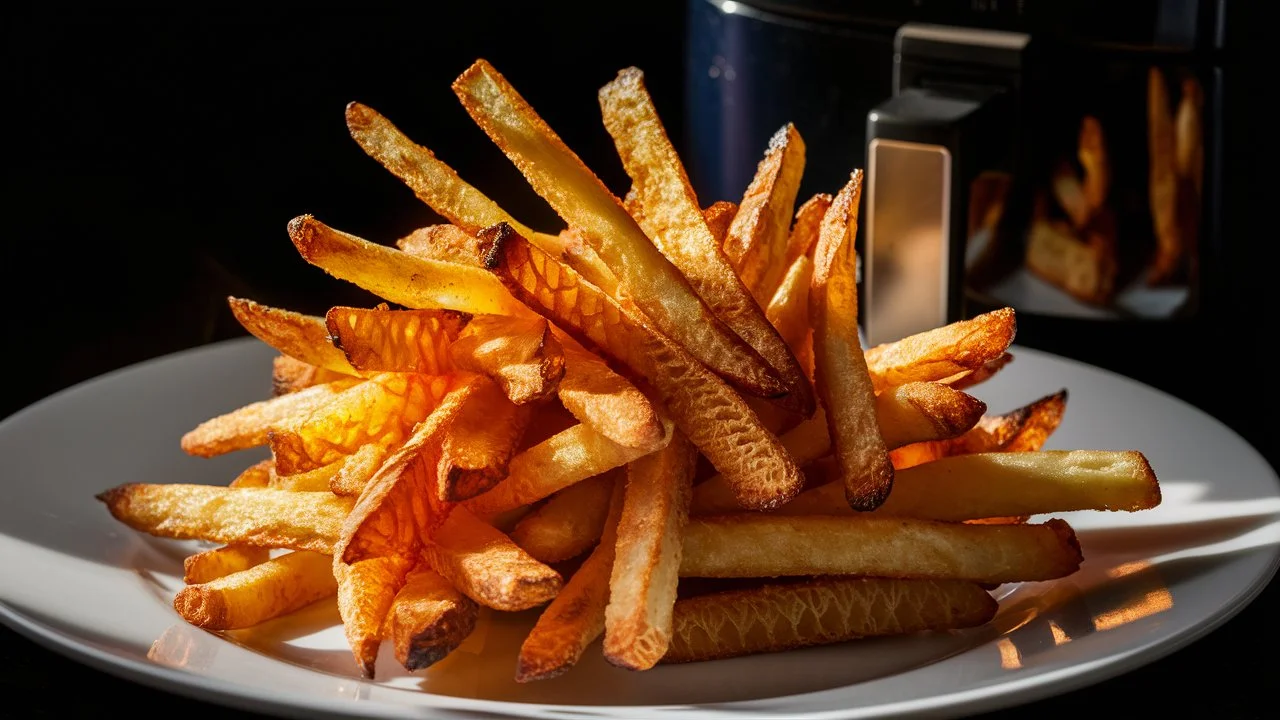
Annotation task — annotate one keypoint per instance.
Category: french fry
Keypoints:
(804, 229)
(428, 619)
(248, 426)
(485, 565)
(382, 410)
(212, 564)
(839, 369)
(606, 401)
(1023, 429)
(670, 216)
(820, 611)
(563, 459)
(718, 215)
(384, 340)
(291, 375)
(1092, 153)
(353, 473)
(479, 443)
(642, 586)
(751, 459)
(397, 276)
(941, 353)
(251, 516)
(1171, 249)
(968, 378)
(257, 594)
(521, 354)
(788, 311)
(366, 590)
(437, 185)
(576, 616)
(256, 475)
(446, 242)
(570, 522)
(985, 485)
(874, 545)
(757, 241)
(303, 337)
(649, 279)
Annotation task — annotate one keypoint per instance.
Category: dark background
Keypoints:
(154, 157)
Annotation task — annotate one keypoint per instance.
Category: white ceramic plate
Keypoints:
(76, 580)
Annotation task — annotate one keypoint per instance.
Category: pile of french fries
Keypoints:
(657, 426)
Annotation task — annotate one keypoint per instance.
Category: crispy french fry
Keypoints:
(212, 564)
(570, 522)
(788, 311)
(353, 473)
(606, 401)
(366, 590)
(642, 586)
(484, 564)
(521, 354)
(316, 480)
(650, 280)
(291, 375)
(397, 276)
(382, 410)
(670, 216)
(252, 516)
(839, 369)
(941, 353)
(479, 443)
(303, 337)
(446, 242)
(256, 475)
(257, 594)
(384, 340)
(984, 485)
(576, 617)
(875, 545)
(804, 229)
(437, 185)
(563, 459)
(428, 619)
(706, 410)
(758, 237)
(718, 216)
(969, 378)
(248, 426)
(1023, 429)
(820, 611)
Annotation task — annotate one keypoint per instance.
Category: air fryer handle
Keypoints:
(952, 115)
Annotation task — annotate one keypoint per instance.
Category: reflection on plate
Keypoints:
(1151, 581)
(1028, 293)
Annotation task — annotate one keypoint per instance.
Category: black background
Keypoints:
(154, 157)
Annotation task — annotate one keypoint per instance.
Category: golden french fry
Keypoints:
(708, 412)
(718, 216)
(382, 410)
(649, 279)
(366, 590)
(397, 276)
(212, 564)
(788, 311)
(804, 229)
(820, 611)
(1023, 429)
(299, 336)
(316, 480)
(248, 426)
(646, 565)
(570, 521)
(428, 619)
(384, 340)
(256, 475)
(563, 459)
(839, 369)
(1092, 153)
(969, 378)
(251, 516)
(521, 354)
(1171, 247)
(606, 401)
(940, 353)
(757, 239)
(876, 545)
(576, 616)
(437, 185)
(252, 596)
(670, 216)
(446, 242)
(485, 565)
(353, 473)
(291, 375)
(479, 443)
(984, 485)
